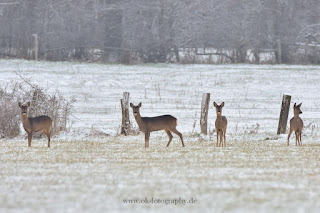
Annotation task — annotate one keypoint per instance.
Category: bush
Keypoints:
(42, 103)
(9, 115)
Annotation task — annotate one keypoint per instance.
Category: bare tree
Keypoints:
(155, 31)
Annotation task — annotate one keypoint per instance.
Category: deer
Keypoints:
(296, 124)
(221, 124)
(168, 123)
(41, 123)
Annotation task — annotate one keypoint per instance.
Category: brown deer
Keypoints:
(296, 124)
(167, 123)
(35, 124)
(221, 124)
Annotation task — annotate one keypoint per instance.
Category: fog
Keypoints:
(152, 31)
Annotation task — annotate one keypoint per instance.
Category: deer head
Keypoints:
(135, 109)
(24, 108)
(296, 109)
(218, 107)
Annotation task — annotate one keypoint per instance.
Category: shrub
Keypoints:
(42, 103)
(9, 115)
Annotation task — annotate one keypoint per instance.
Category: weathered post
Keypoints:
(204, 113)
(36, 46)
(284, 113)
(125, 126)
(279, 51)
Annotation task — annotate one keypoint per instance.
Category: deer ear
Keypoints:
(19, 104)
(300, 105)
(140, 104)
(28, 104)
(294, 105)
(131, 105)
(222, 104)
(215, 104)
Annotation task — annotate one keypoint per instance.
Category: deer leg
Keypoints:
(179, 134)
(48, 135)
(300, 138)
(217, 137)
(48, 139)
(170, 137)
(224, 137)
(289, 136)
(147, 135)
(296, 137)
(29, 139)
(221, 141)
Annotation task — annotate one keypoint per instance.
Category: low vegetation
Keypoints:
(260, 176)
(42, 103)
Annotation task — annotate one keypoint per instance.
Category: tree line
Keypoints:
(150, 31)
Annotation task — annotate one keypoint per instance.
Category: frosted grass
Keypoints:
(81, 176)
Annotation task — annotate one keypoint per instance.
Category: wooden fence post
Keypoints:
(125, 126)
(279, 51)
(36, 46)
(284, 113)
(204, 112)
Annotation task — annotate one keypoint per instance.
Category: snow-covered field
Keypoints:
(91, 167)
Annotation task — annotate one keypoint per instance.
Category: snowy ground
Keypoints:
(85, 176)
(91, 167)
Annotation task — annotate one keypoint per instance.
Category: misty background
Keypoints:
(152, 31)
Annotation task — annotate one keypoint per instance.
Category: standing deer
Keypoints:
(296, 124)
(35, 124)
(167, 123)
(221, 124)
